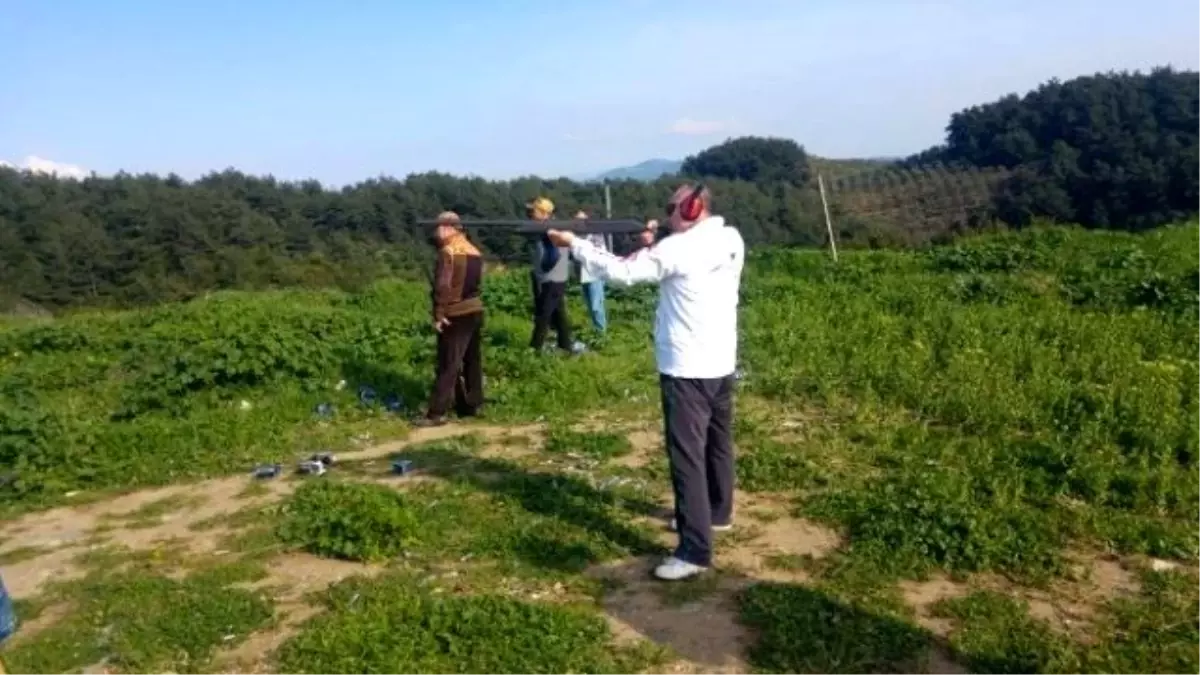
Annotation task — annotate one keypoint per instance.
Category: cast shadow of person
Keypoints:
(567, 498)
(721, 621)
(726, 621)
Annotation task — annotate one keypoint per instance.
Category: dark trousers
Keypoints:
(459, 377)
(537, 290)
(699, 428)
(550, 307)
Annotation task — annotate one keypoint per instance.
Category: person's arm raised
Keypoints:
(651, 266)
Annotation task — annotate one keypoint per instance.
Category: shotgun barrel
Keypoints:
(581, 226)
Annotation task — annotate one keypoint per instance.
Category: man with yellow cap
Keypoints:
(551, 269)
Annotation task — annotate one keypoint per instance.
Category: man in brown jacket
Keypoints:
(458, 320)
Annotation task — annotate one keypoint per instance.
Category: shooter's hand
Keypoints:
(646, 236)
(560, 238)
(440, 324)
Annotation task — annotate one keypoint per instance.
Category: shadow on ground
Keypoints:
(728, 622)
(569, 499)
(723, 621)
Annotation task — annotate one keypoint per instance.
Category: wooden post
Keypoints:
(607, 214)
(828, 222)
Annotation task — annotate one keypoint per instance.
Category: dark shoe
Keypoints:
(472, 414)
(426, 422)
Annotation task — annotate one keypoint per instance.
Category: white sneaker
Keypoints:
(674, 569)
(716, 528)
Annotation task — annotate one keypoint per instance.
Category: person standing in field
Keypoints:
(699, 270)
(458, 320)
(8, 619)
(551, 269)
(593, 287)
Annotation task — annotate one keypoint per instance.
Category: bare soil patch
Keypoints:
(704, 634)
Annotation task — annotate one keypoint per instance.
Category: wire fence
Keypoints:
(911, 206)
(872, 207)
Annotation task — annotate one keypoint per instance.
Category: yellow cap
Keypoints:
(541, 206)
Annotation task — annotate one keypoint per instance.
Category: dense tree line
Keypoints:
(1115, 150)
(129, 239)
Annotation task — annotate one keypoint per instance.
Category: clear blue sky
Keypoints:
(342, 91)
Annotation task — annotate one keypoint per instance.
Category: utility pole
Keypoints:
(828, 222)
(607, 212)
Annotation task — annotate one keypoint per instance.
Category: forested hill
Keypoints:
(1116, 150)
(1111, 150)
(136, 239)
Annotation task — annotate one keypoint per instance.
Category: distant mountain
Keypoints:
(647, 170)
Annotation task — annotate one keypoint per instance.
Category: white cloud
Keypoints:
(39, 165)
(686, 126)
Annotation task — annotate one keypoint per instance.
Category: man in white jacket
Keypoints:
(699, 269)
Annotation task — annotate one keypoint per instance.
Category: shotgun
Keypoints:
(581, 226)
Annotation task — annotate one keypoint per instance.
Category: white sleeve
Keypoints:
(650, 266)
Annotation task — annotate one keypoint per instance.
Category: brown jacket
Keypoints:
(457, 279)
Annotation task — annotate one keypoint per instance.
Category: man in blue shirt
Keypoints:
(593, 286)
(8, 618)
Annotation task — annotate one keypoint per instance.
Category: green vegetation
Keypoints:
(1115, 150)
(594, 443)
(138, 621)
(806, 631)
(753, 159)
(349, 520)
(487, 508)
(1008, 405)
(394, 625)
(998, 411)
(1112, 151)
(1155, 631)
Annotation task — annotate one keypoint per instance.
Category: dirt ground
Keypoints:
(700, 626)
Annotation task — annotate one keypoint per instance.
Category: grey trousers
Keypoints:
(698, 414)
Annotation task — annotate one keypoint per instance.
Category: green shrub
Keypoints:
(393, 625)
(354, 521)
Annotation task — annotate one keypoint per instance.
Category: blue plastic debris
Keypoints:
(393, 403)
(402, 466)
(739, 374)
(264, 471)
(8, 617)
(324, 410)
(366, 395)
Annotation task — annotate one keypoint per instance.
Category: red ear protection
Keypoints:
(691, 206)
